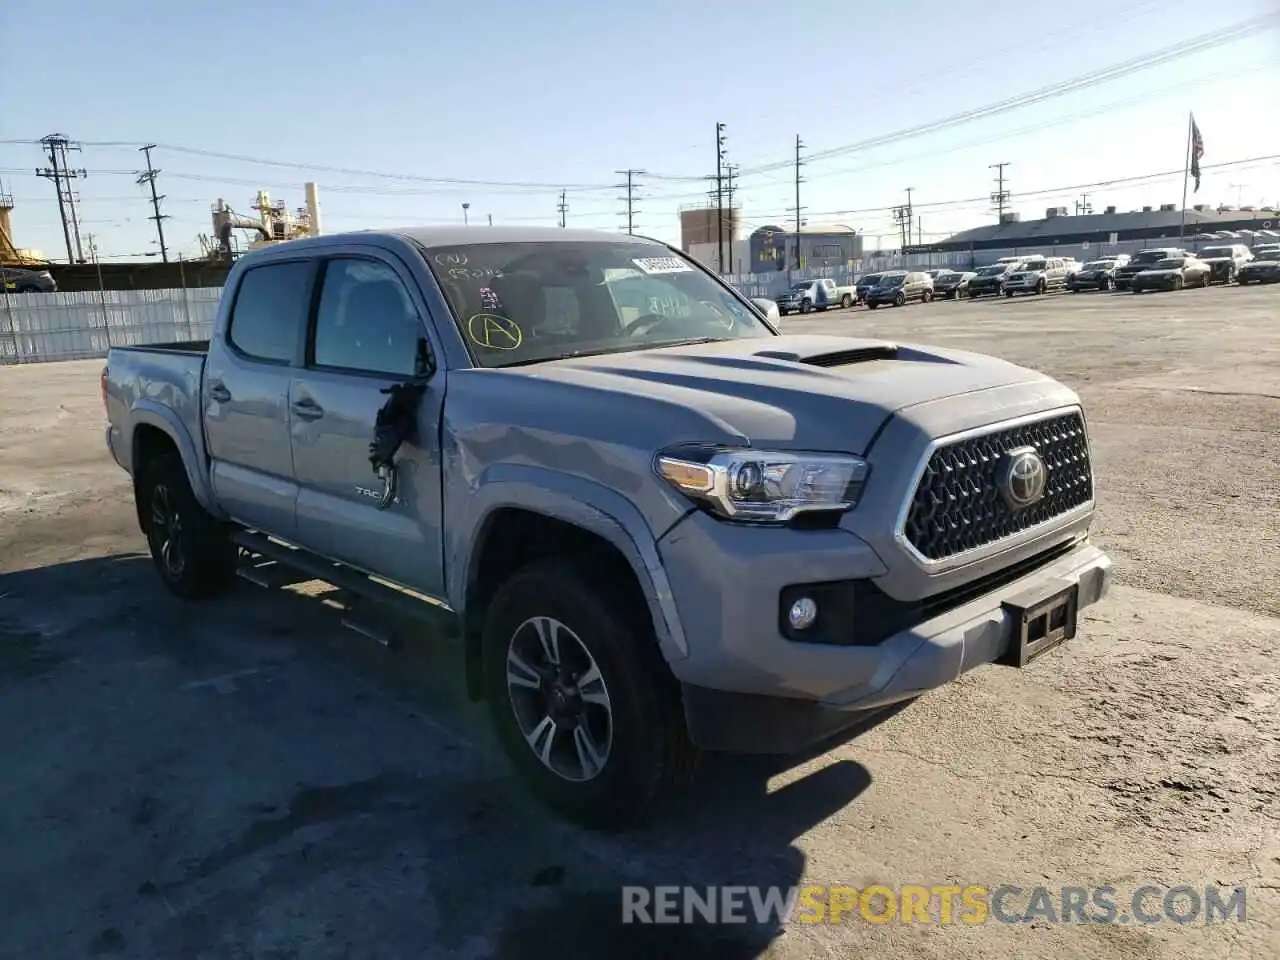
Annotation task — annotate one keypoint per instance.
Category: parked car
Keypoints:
(643, 554)
(1094, 275)
(863, 285)
(1264, 267)
(1225, 261)
(1037, 275)
(1072, 265)
(26, 280)
(1172, 273)
(1120, 258)
(952, 283)
(1013, 261)
(1144, 260)
(809, 295)
(989, 281)
(899, 287)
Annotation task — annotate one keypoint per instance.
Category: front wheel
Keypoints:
(1177, 283)
(846, 301)
(872, 304)
(805, 306)
(1009, 294)
(192, 550)
(927, 296)
(899, 300)
(1040, 288)
(584, 705)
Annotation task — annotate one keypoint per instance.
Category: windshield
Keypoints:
(892, 279)
(517, 303)
(801, 286)
(1267, 253)
(1172, 263)
(993, 271)
(870, 279)
(1034, 265)
(1099, 265)
(1150, 256)
(1217, 252)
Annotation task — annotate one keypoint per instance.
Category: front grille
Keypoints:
(958, 506)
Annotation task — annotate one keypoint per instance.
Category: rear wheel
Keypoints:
(192, 549)
(900, 299)
(805, 306)
(584, 705)
(926, 297)
(1041, 288)
(1177, 283)
(846, 301)
(872, 304)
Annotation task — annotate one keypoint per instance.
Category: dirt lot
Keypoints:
(250, 780)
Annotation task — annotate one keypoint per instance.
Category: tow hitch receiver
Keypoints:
(1040, 623)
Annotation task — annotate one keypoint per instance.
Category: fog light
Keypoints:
(803, 613)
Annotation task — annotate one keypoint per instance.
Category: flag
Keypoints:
(1197, 151)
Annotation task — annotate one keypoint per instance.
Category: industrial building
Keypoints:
(1108, 231)
(768, 249)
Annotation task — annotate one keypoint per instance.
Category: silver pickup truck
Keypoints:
(663, 526)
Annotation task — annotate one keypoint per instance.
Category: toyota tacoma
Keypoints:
(663, 527)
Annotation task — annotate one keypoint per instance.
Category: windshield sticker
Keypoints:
(657, 265)
(494, 332)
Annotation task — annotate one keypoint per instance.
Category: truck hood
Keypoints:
(797, 391)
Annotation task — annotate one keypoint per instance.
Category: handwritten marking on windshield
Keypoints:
(494, 332)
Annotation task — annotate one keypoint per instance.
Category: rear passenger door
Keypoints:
(369, 332)
(246, 395)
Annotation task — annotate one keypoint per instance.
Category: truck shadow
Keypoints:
(732, 829)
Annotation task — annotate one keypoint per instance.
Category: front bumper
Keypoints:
(1258, 276)
(728, 582)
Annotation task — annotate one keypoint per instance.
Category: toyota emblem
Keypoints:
(1023, 477)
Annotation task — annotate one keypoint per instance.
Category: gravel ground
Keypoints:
(257, 782)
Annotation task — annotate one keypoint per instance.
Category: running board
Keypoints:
(363, 587)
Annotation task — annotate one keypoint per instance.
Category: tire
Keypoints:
(900, 299)
(1009, 294)
(192, 549)
(872, 304)
(846, 301)
(1134, 290)
(1041, 288)
(806, 306)
(1177, 283)
(926, 297)
(638, 730)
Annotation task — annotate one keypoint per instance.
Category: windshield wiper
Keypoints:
(626, 348)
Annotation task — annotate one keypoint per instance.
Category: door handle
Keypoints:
(307, 410)
(219, 393)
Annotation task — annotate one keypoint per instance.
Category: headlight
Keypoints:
(764, 486)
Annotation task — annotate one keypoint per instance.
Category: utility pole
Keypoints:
(150, 178)
(1083, 207)
(491, 219)
(919, 231)
(563, 208)
(799, 164)
(904, 217)
(720, 194)
(630, 199)
(730, 188)
(1001, 197)
(62, 175)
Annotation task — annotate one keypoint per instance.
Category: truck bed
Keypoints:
(156, 384)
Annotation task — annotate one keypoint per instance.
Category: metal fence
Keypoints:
(36, 327)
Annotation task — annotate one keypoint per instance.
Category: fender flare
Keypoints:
(152, 414)
(584, 503)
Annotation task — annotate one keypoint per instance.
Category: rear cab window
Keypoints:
(270, 311)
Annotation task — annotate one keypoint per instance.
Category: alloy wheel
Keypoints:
(559, 698)
(166, 532)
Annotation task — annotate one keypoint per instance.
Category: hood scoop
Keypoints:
(837, 358)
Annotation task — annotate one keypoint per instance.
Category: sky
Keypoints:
(387, 105)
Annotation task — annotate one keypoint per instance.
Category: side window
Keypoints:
(270, 310)
(366, 321)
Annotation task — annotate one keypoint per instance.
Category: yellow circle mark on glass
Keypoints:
(493, 332)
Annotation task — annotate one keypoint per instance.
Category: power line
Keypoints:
(1199, 44)
(149, 178)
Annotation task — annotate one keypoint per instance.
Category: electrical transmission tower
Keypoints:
(562, 208)
(798, 208)
(632, 188)
(720, 164)
(149, 178)
(1001, 197)
(904, 217)
(60, 171)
